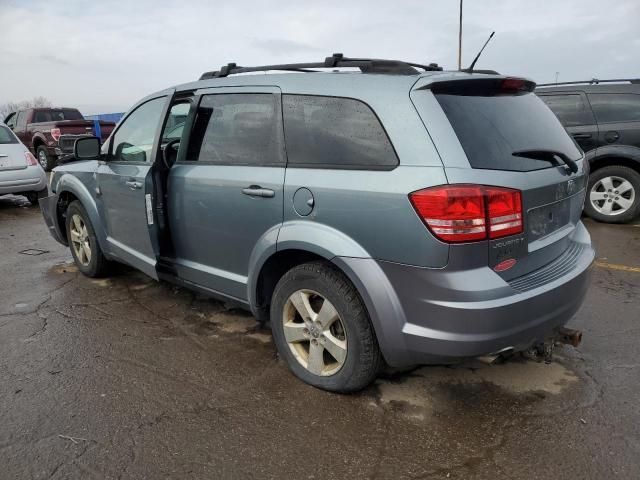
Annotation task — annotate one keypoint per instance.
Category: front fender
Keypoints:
(71, 184)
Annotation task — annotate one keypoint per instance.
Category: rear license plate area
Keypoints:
(543, 221)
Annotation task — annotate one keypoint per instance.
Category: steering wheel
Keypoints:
(169, 154)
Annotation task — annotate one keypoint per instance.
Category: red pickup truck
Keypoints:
(50, 133)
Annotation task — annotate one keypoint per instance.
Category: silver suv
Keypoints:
(399, 214)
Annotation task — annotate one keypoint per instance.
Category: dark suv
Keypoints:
(603, 116)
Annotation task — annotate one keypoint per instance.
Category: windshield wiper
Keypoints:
(549, 155)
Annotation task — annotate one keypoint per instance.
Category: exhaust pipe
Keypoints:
(569, 336)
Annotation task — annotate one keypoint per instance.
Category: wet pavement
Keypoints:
(128, 378)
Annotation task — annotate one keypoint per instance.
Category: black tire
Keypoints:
(33, 197)
(626, 173)
(363, 359)
(98, 265)
(45, 160)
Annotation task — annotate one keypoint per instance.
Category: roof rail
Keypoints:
(593, 81)
(337, 60)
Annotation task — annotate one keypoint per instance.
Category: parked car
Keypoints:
(20, 173)
(603, 116)
(51, 132)
(402, 214)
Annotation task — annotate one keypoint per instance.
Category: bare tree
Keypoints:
(35, 102)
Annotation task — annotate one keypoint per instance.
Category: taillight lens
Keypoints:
(467, 213)
(55, 134)
(31, 160)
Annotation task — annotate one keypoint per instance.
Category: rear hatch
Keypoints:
(12, 153)
(507, 137)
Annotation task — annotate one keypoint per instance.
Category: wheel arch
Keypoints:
(612, 155)
(69, 188)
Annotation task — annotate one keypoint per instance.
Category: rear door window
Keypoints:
(615, 107)
(491, 128)
(571, 109)
(238, 129)
(331, 132)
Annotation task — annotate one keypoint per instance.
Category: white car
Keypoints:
(20, 172)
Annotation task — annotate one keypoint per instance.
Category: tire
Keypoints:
(46, 161)
(608, 209)
(33, 197)
(320, 282)
(97, 265)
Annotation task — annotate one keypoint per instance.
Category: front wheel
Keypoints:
(613, 194)
(321, 329)
(83, 243)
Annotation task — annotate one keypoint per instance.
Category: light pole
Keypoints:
(460, 39)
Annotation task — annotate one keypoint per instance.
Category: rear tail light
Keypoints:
(31, 160)
(55, 134)
(467, 213)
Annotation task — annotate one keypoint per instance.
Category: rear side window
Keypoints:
(330, 132)
(6, 136)
(570, 109)
(491, 128)
(56, 115)
(238, 129)
(615, 107)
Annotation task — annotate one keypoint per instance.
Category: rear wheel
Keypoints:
(46, 161)
(613, 194)
(83, 243)
(322, 330)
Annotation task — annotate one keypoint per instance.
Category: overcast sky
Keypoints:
(103, 55)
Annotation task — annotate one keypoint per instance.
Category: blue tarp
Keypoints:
(107, 117)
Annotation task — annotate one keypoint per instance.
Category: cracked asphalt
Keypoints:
(128, 378)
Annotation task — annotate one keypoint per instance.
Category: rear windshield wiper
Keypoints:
(549, 155)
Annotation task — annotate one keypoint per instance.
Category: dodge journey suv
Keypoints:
(399, 214)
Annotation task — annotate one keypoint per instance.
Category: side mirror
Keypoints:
(87, 148)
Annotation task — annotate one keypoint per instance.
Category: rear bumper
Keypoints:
(426, 315)
(49, 208)
(30, 179)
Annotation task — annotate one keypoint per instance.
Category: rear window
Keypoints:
(6, 136)
(614, 107)
(332, 132)
(56, 115)
(570, 109)
(491, 128)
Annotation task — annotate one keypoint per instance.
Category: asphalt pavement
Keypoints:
(128, 378)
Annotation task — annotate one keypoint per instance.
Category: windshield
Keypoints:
(56, 114)
(6, 136)
(492, 128)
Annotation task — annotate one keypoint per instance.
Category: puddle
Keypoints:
(414, 394)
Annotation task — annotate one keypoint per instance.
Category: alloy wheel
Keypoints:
(42, 158)
(80, 239)
(314, 332)
(612, 195)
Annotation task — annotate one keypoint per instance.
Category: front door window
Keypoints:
(133, 141)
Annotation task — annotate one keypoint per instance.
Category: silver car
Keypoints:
(400, 214)
(20, 173)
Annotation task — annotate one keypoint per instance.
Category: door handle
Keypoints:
(581, 135)
(133, 185)
(258, 191)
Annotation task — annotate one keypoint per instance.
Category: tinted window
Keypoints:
(6, 136)
(334, 133)
(133, 141)
(238, 129)
(570, 109)
(56, 115)
(491, 128)
(614, 107)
